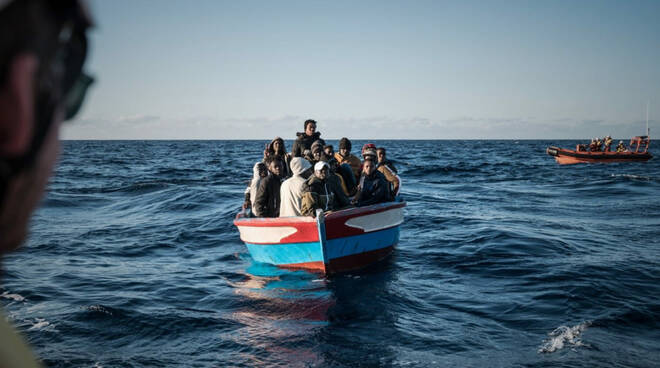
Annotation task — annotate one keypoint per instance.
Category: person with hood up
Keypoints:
(291, 191)
(386, 168)
(267, 200)
(373, 187)
(316, 153)
(277, 149)
(344, 156)
(305, 139)
(319, 193)
(259, 171)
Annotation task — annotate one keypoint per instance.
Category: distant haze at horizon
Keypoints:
(373, 70)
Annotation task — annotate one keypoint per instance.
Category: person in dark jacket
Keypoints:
(345, 157)
(305, 139)
(373, 187)
(318, 192)
(267, 201)
(277, 148)
(317, 153)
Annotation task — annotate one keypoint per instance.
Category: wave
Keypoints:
(564, 336)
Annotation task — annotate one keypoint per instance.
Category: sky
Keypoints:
(372, 69)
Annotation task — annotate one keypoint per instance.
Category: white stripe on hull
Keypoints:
(260, 234)
(377, 221)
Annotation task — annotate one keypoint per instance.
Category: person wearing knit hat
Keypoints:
(344, 156)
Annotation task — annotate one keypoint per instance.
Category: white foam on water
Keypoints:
(15, 297)
(563, 336)
(39, 324)
(631, 176)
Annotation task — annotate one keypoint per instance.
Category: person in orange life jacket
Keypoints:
(304, 140)
(608, 143)
(344, 156)
(277, 148)
(621, 147)
(373, 187)
(267, 200)
(386, 167)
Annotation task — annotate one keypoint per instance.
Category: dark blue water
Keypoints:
(506, 259)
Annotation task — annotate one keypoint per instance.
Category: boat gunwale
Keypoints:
(288, 221)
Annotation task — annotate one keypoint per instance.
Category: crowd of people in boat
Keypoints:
(313, 176)
(602, 145)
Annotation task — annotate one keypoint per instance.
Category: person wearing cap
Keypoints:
(304, 140)
(319, 193)
(385, 167)
(344, 156)
(373, 187)
(267, 200)
(43, 47)
(291, 191)
(620, 147)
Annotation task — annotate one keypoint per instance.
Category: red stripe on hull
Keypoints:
(357, 261)
(309, 266)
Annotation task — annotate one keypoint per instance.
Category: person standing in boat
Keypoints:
(386, 168)
(608, 143)
(304, 140)
(373, 187)
(267, 200)
(277, 148)
(291, 191)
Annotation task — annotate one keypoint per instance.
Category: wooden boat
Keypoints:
(581, 155)
(335, 242)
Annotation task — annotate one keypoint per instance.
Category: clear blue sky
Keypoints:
(381, 69)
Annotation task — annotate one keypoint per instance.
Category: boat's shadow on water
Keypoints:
(307, 319)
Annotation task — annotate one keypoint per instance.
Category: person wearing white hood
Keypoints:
(291, 190)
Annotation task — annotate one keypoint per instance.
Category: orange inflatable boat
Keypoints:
(637, 151)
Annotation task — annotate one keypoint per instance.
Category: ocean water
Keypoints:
(506, 259)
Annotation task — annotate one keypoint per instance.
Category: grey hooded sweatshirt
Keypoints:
(291, 189)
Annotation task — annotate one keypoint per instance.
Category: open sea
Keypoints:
(506, 259)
